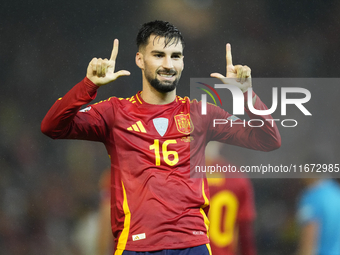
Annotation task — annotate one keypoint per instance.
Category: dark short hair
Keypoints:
(160, 29)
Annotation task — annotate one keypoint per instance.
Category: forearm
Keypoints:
(308, 238)
(259, 133)
(105, 237)
(58, 120)
(265, 129)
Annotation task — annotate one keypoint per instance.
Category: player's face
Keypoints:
(162, 66)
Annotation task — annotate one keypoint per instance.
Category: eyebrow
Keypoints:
(162, 52)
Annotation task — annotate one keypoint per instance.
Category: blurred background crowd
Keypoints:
(49, 190)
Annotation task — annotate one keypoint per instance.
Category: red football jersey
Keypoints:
(155, 203)
(231, 203)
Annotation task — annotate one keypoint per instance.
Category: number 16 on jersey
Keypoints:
(165, 152)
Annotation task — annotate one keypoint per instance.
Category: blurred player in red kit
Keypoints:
(153, 138)
(232, 209)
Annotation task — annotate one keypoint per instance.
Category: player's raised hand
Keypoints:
(102, 71)
(236, 75)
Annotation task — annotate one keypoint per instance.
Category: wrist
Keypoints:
(245, 96)
(90, 86)
(91, 81)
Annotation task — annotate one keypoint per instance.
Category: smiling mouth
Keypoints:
(167, 74)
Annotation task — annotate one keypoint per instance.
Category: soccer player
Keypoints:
(232, 208)
(155, 205)
(318, 215)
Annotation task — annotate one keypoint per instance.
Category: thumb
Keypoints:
(122, 73)
(217, 75)
(221, 77)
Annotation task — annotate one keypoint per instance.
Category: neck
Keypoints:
(151, 96)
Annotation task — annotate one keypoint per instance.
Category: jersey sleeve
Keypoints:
(65, 120)
(238, 132)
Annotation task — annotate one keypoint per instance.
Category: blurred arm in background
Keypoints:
(105, 237)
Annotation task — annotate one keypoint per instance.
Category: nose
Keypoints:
(167, 63)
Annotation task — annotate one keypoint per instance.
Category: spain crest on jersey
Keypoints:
(184, 124)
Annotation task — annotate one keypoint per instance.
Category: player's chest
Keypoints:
(161, 138)
(163, 124)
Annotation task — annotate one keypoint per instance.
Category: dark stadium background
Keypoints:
(49, 189)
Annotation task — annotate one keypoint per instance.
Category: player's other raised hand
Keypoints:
(102, 71)
(238, 75)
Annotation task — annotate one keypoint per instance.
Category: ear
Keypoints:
(139, 60)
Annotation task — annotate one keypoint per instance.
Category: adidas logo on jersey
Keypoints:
(138, 127)
(138, 237)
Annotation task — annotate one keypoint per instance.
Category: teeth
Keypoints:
(166, 75)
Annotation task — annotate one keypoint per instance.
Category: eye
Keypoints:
(158, 55)
(176, 56)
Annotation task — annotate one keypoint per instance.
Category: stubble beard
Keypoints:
(162, 86)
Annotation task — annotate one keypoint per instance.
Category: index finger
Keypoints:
(228, 56)
(114, 50)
